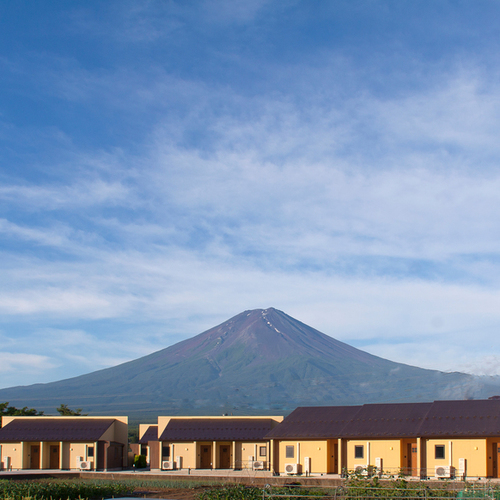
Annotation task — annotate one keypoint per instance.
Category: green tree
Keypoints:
(12, 411)
(68, 412)
(6, 410)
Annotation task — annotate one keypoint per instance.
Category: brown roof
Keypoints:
(151, 434)
(387, 420)
(463, 418)
(220, 429)
(59, 429)
(441, 418)
(314, 422)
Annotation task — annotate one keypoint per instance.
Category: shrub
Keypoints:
(140, 462)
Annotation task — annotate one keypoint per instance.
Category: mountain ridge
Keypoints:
(259, 361)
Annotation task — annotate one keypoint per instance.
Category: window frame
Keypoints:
(441, 454)
(289, 451)
(359, 451)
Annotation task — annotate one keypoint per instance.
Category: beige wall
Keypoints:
(14, 451)
(475, 451)
(117, 432)
(317, 450)
(185, 450)
(240, 452)
(143, 428)
(388, 450)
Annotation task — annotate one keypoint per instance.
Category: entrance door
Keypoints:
(54, 456)
(334, 459)
(225, 457)
(35, 456)
(411, 459)
(414, 462)
(206, 456)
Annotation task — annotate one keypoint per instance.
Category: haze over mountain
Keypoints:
(260, 361)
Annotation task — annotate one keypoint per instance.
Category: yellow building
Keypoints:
(307, 441)
(83, 443)
(148, 445)
(444, 439)
(224, 442)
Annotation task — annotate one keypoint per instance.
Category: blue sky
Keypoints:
(167, 165)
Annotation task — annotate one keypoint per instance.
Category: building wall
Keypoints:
(14, 451)
(245, 450)
(186, 451)
(388, 450)
(317, 450)
(475, 451)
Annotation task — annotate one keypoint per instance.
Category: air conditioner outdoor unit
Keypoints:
(293, 468)
(361, 469)
(85, 465)
(444, 471)
(168, 465)
(259, 465)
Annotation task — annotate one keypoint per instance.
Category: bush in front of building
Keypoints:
(140, 462)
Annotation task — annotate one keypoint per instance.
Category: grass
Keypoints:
(72, 489)
(353, 489)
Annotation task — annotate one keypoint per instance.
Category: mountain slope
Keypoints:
(260, 361)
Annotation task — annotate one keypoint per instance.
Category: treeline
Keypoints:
(12, 411)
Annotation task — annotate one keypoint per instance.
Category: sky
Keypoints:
(166, 165)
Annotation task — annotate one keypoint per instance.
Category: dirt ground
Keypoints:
(170, 493)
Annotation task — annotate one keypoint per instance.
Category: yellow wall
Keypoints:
(14, 451)
(246, 449)
(388, 450)
(117, 432)
(240, 451)
(143, 428)
(185, 450)
(474, 450)
(316, 450)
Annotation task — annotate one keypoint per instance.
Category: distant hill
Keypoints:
(259, 362)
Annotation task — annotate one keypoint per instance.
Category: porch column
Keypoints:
(22, 455)
(422, 454)
(61, 451)
(196, 460)
(342, 456)
(214, 455)
(42, 455)
(233, 455)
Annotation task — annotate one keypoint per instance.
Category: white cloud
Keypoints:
(78, 196)
(319, 202)
(31, 363)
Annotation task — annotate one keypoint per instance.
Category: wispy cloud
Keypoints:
(195, 161)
